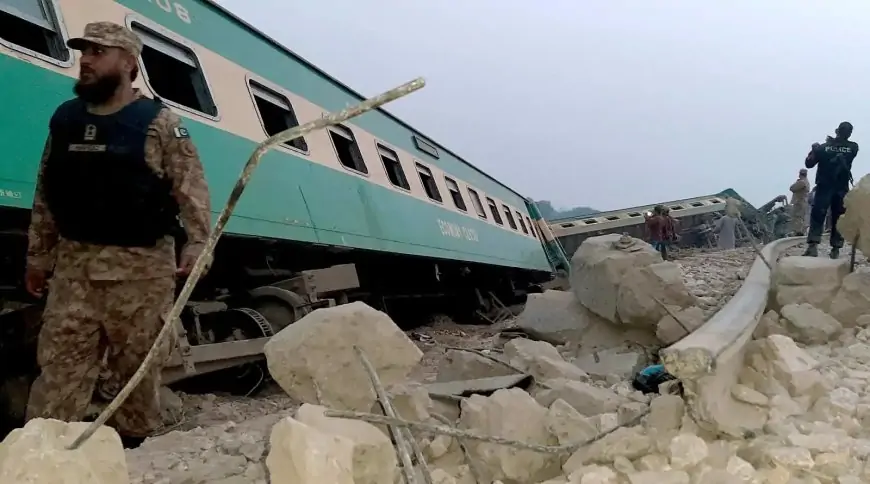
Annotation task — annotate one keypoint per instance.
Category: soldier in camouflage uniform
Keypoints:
(800, 192)
(117, 171)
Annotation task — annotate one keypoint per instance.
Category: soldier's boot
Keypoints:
(835, 252)
(812, 250)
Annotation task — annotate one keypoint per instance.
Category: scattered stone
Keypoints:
(315, 355)
(37, 454)
(853, 299)
(555, 317)
(303, 454)
(465, 365)
(810, 325)
(813, 280)
(541, 360)
(669, 330)
(586, 398)
(511, 414)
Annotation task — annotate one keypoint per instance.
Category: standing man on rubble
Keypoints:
(800, 191)
(655, 224)
(834, 158)
(117, 171)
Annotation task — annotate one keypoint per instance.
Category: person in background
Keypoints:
(655, 225)
(800, 191)
(725, 227)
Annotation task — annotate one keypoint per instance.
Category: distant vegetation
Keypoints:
(550, 213)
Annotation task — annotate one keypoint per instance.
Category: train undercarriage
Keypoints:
(255, 288)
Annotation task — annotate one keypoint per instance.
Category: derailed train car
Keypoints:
(693, 216)
(370, 210)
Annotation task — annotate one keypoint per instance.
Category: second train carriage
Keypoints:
(370, 210)
(690, 212)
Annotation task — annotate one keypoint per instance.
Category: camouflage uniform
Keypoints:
(799, 203)
(108, 297)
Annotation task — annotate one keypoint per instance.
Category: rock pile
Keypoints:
(589, 424)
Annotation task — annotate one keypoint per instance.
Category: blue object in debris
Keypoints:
(649, 379)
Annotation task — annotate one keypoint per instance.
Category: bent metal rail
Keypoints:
(708, 360)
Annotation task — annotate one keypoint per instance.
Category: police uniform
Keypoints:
(109, 193)
(834, 159)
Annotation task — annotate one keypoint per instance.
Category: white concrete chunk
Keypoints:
(810, 325)
(541, 360)
(597, 269)
(318, 349)
(302, 454)
(36, 454)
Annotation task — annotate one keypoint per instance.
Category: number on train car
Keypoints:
(170, 7)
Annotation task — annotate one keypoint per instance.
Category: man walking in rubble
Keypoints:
(834, 159)
(117, 171)
(655, 224)
(800, 191)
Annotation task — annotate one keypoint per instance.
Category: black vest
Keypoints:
(96, 182)
(835, 163)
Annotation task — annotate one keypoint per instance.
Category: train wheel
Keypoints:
(280, 307)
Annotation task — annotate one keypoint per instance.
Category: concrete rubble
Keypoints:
(807, 372)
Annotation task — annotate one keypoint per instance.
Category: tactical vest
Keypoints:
(835, 163)
(96, 182)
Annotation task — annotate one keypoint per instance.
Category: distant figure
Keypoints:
(800, 192)
(726, 227)
(655, 224)
(834, 158)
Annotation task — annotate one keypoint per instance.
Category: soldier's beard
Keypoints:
(100, 91)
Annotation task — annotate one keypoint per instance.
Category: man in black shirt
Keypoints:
(834, 158)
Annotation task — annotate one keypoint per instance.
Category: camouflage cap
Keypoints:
(108, 34)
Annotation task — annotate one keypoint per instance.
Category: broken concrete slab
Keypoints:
(639, 288)
(302, 454)
(555, 317)
(669, 330)
(511, 414)
(598, 267)
(812, 280)
(315, 357)
(809, 324)
(541, 360)
(852, 299)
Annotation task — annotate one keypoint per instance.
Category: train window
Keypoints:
(34, 26)
(455, 194)
(425, 146)
(394, 169)
(475, 200)
(613, 217)
(634, 214)
(173, 71)
(532, 227)
(697, 204)
(494, 209)
(428, 183)
(276, 113)
(509, 217)
(347, 149)
(522, 223)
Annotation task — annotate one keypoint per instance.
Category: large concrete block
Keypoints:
(317, 352)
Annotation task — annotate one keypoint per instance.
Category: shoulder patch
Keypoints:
(181, 132)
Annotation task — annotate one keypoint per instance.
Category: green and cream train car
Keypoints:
(371, 210)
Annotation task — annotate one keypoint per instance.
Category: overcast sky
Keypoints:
(607, 104)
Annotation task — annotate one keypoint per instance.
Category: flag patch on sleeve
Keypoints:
(181, 132)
